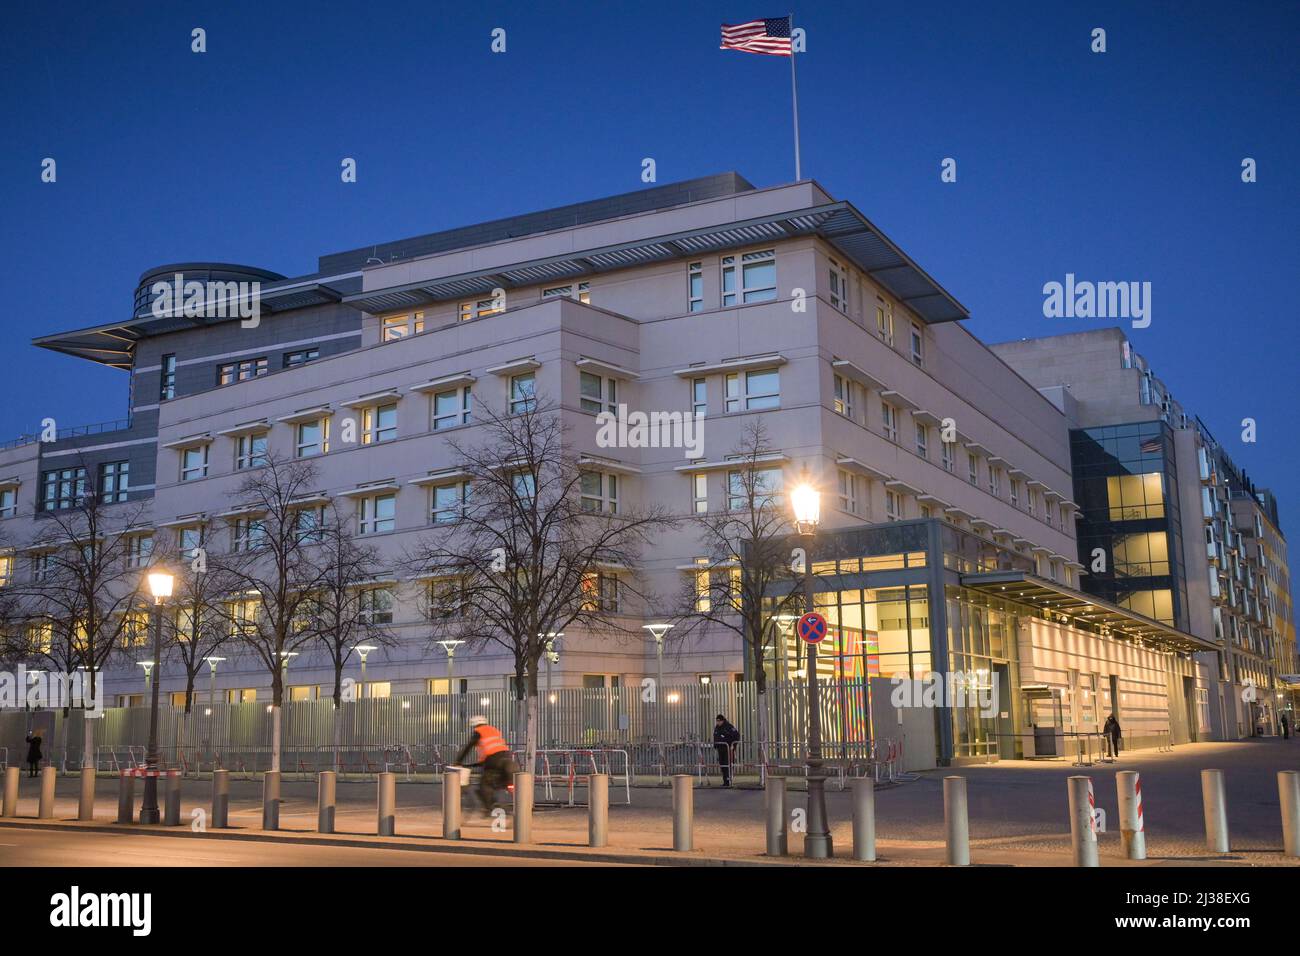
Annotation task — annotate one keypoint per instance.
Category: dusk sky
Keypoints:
(1122, 166)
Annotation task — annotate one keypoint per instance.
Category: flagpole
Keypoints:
(794, 92)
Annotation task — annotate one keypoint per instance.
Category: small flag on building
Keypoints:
(770, 36)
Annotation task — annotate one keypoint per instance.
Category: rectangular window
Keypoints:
(848, 491)
(447, 502)
(695, 287)
(599, 492)
(194, 463)
(301, 357)
(767, 486)
(250, 451)
(1015, 492)
(139, 550)
(309, 525)
(1030, 497)
(167, 385)
(114, 481)
(947, 452)
(995, 481)
(312, 439)
(703, 586)
(893, 505)
(247, 534)
(376, 606)
(753, 390)
(972, 468)
(918, 346)
(8, 502)
(922, 441)
(523, 393)
(451, 408)
(241, 371)
(600, 592)
(843, 396)
(839, 286)
(583, 293)
(699, 396)
(755, 281)
(889, 421)
(191, 541)
(1050, 511)
(377, 513)
(598, 393)
(481, 308)
(525, 487)
(884, 322)
(378, 424)
(700, 493)
(401, 326)
(63, 489)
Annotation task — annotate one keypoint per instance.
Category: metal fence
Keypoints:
(371, 732)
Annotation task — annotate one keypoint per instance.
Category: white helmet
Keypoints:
(477, 719)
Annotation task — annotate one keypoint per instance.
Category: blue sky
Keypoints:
(1118, 166)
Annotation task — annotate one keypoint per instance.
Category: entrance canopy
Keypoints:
(1077, 607)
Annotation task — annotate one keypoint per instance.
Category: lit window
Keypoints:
(583, 293)
(703, 585)
(241, 371)
(376, 514)
(843, 396)
(753, 390)
(378, 424)
(600, 592)
(599, 492)
(695, 287)
(194, 463)
(447, 502)
(523, 393)
(756, 281)
(313, 438)
(598, 393)
(250, 451)
(482, 308)
(401, 326)
(451, 408)
(114, 481)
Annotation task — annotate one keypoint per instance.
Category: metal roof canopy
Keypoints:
(838, 223)
(1033, 591)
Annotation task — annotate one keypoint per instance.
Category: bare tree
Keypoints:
(275, 572)
(524, 558)
(748, 578)
(200, 625)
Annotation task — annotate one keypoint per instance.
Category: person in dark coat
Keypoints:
(1286, 727)
(725, 738)
(33, 754)
(1112, 731)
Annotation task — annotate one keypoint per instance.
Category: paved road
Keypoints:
(54, 848)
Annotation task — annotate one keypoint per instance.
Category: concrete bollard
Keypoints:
(1083, 825)
(774, 793)
(271, 800)
(1132, 828)
(45, 806)
(10, 805)
(598, 809)
(387, 823)
(683, 812)
(451, 805)
(864, 820)
(326, 800)
(220, 799)
(172, 799)
(86, 801)
(1288, 791)
(126, 797)
(523, 823)
(955, 822)
(1215, 802)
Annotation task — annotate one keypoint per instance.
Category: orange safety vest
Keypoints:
(490, 741)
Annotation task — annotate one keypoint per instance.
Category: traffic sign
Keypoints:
(812, 627)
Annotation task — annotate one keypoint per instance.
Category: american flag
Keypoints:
(770, 36)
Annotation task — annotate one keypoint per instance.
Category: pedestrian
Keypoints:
(1286, 727)
(33, 754)
(498, 767)
(1113, 732)
(725, 738)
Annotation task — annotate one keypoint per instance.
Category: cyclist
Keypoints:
(494, 757)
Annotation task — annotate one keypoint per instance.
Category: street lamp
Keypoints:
(364, 650)
(805, 500)
(552, 657)
(212, 679)
(148, 670)
(657, 631)
(160, 586)
(450, 647)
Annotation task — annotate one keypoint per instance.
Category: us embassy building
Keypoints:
(933, 555)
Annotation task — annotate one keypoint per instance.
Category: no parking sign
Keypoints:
(812, 627)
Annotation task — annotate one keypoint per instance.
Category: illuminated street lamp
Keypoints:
(212, 679)
(552, 657)
(805, 500)
(364, 650)
(657, 631)
(160, 586)
(450, 647)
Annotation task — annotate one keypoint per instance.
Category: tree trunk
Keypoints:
(189, 692)
(530, 728)
(277, 697)
(338, 716)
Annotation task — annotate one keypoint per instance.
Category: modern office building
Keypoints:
(1168, 524)
(948, 538)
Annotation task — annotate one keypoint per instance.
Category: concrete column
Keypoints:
(955, 822)
(1132, 828)
(523, 807)
(451, 805)
(774, 791)
(271, 800)
(1216, 811)
(45, 808)
(598, 809)
(126, 797)
(683, 812)
(220, 799)
(10, 807)
(1288, 791)
(172, 800)
(1083, 827)
(86, 801)
(326, 787)
(864, 819)
(387, 823)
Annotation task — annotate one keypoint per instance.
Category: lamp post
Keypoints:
(806, 502)
(160, 586)
(364, 650)
(552, 657)
(450, 647)
(657, 631)
(212, 679)
(148, 669)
